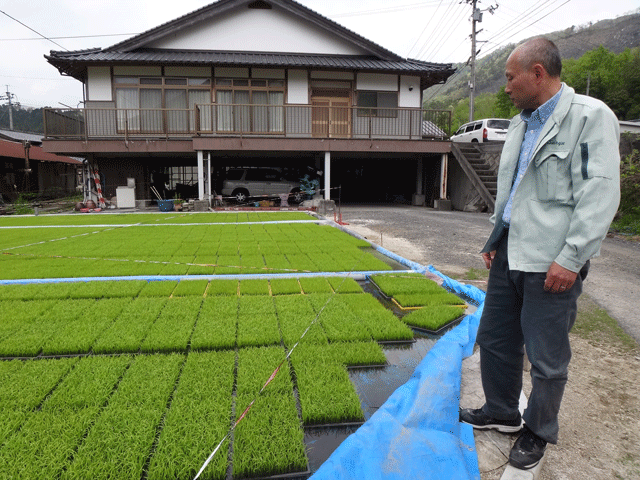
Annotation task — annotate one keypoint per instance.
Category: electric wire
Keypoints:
(34, 31)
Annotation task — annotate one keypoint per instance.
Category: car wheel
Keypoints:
(240, 195)
(296, 196)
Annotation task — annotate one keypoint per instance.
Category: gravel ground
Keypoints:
(600, 414)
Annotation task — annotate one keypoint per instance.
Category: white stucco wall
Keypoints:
(409, 95)
(99, 84)
(254, 30)
(377, 81)
(298, 87)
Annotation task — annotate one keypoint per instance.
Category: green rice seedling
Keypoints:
(426, 299)
(301, 262)
(228, 265)
(228, 249)
(217, 324)
(24, 387)
(277, 263)
(40, 449)
(338, 321)
(89, 384)
(328, 262)
(177, 265)
(352, 354)
(258, 329)
(326, 394)
(344, 285)
(131, 327)
(205, 265)
(268, 247)
(433, 318)
(405, 282)
(252, 264)
(269, 440)
(198, 419)
(78, 334)
(315, 285)
(254, 287)
(48, 291)
(256, 365)
(380, 322)
(191, 287)
(158, 289)
(16, 314)
(223, 287)
(118, 445)
(256, 305)
(295, 316)
(174, 326)
(29, 339)
(285, 286)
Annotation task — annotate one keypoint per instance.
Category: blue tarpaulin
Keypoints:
(416, 433)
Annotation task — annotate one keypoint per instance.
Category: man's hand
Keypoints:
(488, 258)
(559, 279)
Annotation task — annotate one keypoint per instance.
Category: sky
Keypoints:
(430, 30)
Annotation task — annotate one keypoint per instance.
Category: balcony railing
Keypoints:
(289, 121)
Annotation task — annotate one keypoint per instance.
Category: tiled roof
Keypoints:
(73, 62)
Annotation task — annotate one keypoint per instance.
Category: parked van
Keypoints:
(486, 130)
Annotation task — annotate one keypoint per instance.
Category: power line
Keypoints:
(34, 31)
(66, 38)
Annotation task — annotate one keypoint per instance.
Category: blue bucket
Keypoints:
(165, 205)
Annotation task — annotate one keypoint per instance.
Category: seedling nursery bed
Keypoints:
(143, 378)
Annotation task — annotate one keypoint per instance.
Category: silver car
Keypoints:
(252, 183)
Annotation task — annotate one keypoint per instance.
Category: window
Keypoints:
(151, 104)
(250, 105)
(374, 104)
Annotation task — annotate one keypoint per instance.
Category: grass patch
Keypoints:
(595, 325)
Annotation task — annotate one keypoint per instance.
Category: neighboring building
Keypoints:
(26, 168)
(247, 83)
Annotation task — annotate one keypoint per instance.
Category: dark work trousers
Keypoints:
(519, 314)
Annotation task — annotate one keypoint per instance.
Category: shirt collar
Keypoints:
(538, 117)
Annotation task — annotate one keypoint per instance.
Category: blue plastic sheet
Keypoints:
(416, 433)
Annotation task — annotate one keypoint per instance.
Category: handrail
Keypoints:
(289, 121)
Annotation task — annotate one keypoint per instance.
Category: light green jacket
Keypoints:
(570, 192)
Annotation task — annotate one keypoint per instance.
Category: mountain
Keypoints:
(615, 35)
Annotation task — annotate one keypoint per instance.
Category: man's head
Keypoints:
(533, 73)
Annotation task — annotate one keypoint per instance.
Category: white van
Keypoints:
(486, 130)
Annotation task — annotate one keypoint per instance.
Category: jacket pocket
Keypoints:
(552, 172)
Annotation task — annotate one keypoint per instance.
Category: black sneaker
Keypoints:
(528, 450)
(481, 421)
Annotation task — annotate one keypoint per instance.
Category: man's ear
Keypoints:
(539, 71)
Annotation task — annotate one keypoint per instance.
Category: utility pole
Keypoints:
(476, 17)
(8, 97)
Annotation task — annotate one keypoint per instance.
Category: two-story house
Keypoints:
(248, 83)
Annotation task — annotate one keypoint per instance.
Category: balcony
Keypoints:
(270, 121)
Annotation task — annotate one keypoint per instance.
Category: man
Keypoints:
(558, 190)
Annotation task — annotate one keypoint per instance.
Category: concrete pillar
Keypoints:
(200, 175)
(327, 175)
(444, 173)
(209, 177)
(418, 197)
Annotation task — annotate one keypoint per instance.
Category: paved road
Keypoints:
(450, 241)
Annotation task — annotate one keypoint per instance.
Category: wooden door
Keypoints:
(331, 117)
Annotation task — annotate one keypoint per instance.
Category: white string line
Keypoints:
(275, 372)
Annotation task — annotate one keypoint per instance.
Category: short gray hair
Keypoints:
(543, 51)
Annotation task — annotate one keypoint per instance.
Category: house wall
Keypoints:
(298, 87)
(99, 84)
(253, 30)
(409, 94)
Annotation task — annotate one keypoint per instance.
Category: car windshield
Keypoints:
(499, 124)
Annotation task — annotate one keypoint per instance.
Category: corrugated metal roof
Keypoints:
(70, 61)
(16, 150)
